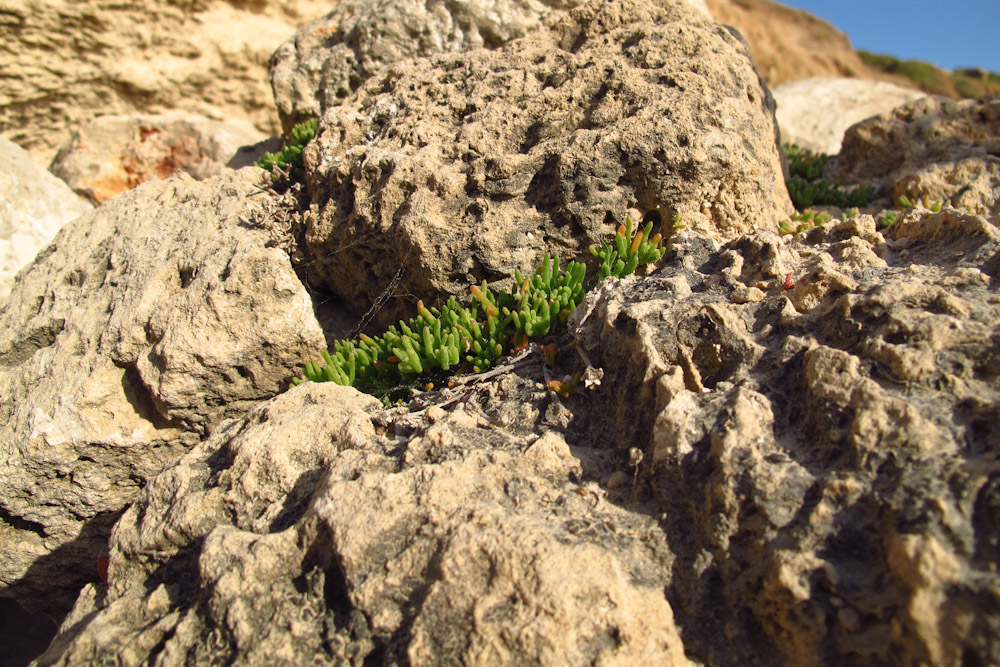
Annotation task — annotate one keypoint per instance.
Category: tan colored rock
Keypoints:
(141, 327)
(298, 532)
(814, 113)
(930, 150)
(810, 451)
(840, 505)
(820, 462)
(64, 62)
(330, 58)
(457, 168)
(34, 205)
(112, 154)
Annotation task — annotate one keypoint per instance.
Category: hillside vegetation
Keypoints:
(957, 84)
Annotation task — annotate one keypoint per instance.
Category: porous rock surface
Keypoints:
(814, 113)
(34, 205)
(452, 169)
(320, 527)
(801, 476)
(112, 154)
(826, 457)
(142, 325)
(933, 148)
(330, 58)
(64, 62)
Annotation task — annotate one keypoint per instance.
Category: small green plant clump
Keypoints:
(286, 165)
(934, 206)
(477, 336)
(803, 162)
(804, 221)
(806, 188)
(890, 217)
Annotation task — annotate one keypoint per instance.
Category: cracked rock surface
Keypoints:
(393, 537)
(141, 326)
(933, 149)
(449, 169)
(820, 462)
(826, 456)
(330, 58)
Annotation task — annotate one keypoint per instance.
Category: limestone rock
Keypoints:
(452, 169)
(142, 326)
(299, 533)
(826, 459)
(35, 205)
(821, 463)
(64, 62)
(112, 154)
(330, 58)
(815, 112)
(933, 148)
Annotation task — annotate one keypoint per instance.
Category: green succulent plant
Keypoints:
(286, 165)
(807, 188)
(475, 337)
(804, 221)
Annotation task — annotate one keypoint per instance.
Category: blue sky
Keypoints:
(947, 33)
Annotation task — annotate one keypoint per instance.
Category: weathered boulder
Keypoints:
(34, 205)
(64, 62)
(814, 113)
(112, 154)
(933, 148)
(452, 169)
(320, 526)
(805, 476)
(826, 457)
(144, 324)
(330, 58)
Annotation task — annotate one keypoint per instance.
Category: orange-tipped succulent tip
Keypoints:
(637, 241)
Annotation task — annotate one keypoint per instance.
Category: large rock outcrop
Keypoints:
(35, 205)
(825, 457)
(64, 62)
(814, 113)
(452, 169)
(144, 324)
(802, 476)
(418, 538)
(933, 149)
(330, 58)
(789, 453)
